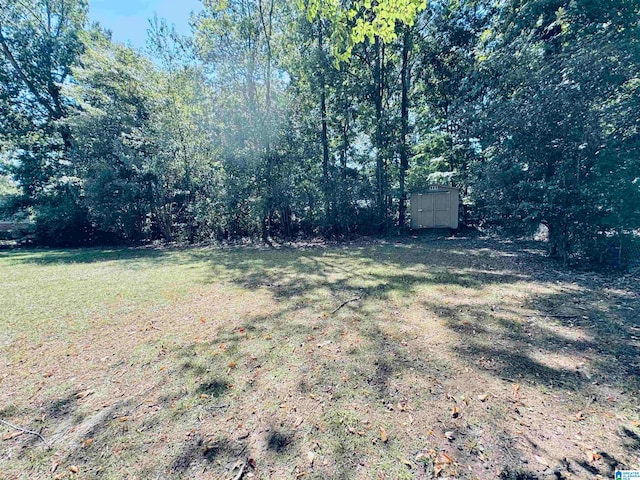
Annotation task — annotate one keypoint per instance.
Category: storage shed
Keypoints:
(435, 207)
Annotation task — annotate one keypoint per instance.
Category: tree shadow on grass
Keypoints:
(513, 350)
(516, 349)
(198, 452)
(504, 343)
(368, 273)
(581, 340)
(214, 388)
(133, 256)
(279, 441)
(510, 474)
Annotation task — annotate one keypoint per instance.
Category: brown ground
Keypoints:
(459, 358)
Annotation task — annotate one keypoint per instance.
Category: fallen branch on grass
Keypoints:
(344, 303)
(24, 430)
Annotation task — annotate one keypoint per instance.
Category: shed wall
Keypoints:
(435, 208)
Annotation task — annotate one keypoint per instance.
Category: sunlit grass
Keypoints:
(198, 357)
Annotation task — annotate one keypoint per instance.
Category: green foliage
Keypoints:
(39, 43)
(8, 193)
(61, 221)
(560, 141)
(113, 92)
(7, 187)
(361, 20)
(273, 120)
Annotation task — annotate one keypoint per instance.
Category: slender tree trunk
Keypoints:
(345, 147)
(266, 20)
(380, 164)
(324, 136)
(404, 127)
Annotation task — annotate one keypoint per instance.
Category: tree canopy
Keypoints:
(275, 119)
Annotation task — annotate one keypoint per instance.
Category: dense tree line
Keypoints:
(275, 119)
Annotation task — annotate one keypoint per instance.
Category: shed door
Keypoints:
(442, 209)
(426, 216)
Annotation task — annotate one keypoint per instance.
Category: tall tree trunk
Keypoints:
(266, 20)
(324, 136)
(404, 126)
(344, 153)
(378, 77)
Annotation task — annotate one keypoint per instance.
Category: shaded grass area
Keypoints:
(464, 357)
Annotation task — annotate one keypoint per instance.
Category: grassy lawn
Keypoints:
(460, 358)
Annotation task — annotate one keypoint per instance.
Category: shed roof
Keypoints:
(431, 188)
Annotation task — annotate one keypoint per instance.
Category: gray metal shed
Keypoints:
(435, 207)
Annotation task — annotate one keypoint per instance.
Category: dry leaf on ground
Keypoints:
(83, 394)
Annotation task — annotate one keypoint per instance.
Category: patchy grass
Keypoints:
(462, 357)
